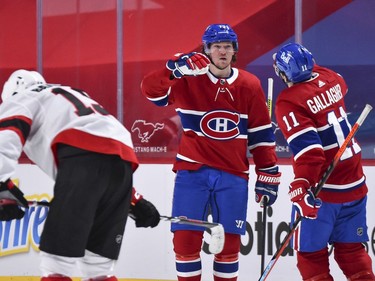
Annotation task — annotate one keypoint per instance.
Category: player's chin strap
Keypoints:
(318, 188)
(216, 230)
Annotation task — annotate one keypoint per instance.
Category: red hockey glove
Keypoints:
(302, 197)
(267, 185)
(11, 199)
(143, 212)
(191, 64)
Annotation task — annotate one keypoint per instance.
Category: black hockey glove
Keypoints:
(11, 212)
(142, 211)
(11, 199)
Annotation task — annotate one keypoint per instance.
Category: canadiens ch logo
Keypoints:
(220, 124)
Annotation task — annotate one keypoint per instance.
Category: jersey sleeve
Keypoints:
(302, 136)
(156, 86)
(15, 124)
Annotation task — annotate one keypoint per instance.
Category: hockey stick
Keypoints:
(319, 187)
(269, 95)
(264, 216)
(39, 203)
(6, 201)
(216, 244)
(263, 242)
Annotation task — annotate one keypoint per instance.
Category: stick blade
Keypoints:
(217, 239)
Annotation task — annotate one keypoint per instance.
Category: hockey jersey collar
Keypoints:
(229, 80)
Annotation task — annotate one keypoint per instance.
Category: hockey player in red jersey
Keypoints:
(224, 115)
(312, 116)
(90, 156)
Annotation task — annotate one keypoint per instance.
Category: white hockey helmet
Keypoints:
(19, 81)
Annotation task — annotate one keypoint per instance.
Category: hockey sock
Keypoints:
(189, 268)
(226, 263)
(226, 267)
(349, 254)
(313, 265)
(187, 247)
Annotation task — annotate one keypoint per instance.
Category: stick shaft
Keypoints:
(324, 178)
(181, 220)
(263, 246)
(185, 220)
(342, 149)
(39, 203)
(270, 95)
(264, 216)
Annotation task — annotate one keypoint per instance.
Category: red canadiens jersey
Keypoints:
(39, 118)
(313, 120)
(222, 119)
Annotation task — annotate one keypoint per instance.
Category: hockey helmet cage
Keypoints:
(295, 61)
(215, 33)
(19, 81)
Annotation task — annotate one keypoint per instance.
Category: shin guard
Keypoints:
(309, 264)
(349, 254)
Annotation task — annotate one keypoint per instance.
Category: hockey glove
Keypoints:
(267, 185)
(191, 64)
(303, 198)
(143, 212)
(11, 199)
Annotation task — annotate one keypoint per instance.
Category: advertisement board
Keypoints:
(148, 253)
